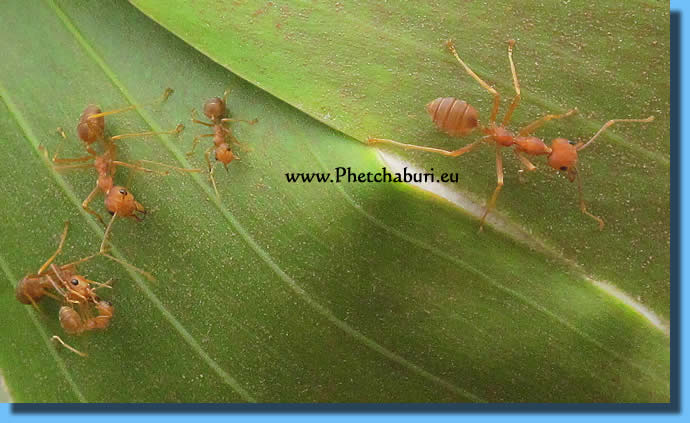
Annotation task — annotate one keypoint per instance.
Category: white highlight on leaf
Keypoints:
(502, 224)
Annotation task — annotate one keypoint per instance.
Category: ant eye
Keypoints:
(109, 303)
(75, 282)
(111, 213)
(123, 191)
(564, 167)
(571, 142)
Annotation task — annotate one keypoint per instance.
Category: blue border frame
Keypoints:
(490, 412)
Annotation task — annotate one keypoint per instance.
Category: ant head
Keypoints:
(119, 200)
(79, 287)
(563, 156)
(90, 130)
(214, 108)
(224, 154)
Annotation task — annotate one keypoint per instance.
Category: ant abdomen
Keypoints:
(214, 108)
(454, 117)
(91, 130)
(29, 289)
(70, 321)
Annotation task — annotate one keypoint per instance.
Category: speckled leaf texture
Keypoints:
(339, 292)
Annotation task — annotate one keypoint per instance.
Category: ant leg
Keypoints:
(104, 252)
(608, 124)
(516, 84)
(56, 287)
(135, 167)
(499, 184)
(211, 168)
(99, 285)
(237, 142)
(147, 275)
(78, 159)
(197, 139)
(525, 165)
(48, 294)
(489, 88)
(179, 169)
(167, 93)
(179, 128)
(206, 154)
(541, 121)
(55, 158)
(74, 263)
(85, 204)
(528, 166)
(195, 120)
(34, 305)
(251, 122)
(63, 237)
(583, 206)
(454, 153)
(104, 243)
(213, 180)
(74, 350)
(74, 166)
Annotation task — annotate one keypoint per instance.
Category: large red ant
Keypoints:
(91, 128)
(457, 118)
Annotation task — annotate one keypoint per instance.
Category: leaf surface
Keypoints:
(367, 68)
(278, 292)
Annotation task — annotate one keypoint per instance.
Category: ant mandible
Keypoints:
(215, 109)
(457, 118)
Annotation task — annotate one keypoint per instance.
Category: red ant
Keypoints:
(33, 287)
(80, 293)
(457, 118)
(71, 288)
(74, 323)
(91, 128)
(215, 109)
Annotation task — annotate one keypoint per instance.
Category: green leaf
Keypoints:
(367, 68)
(277, 292)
